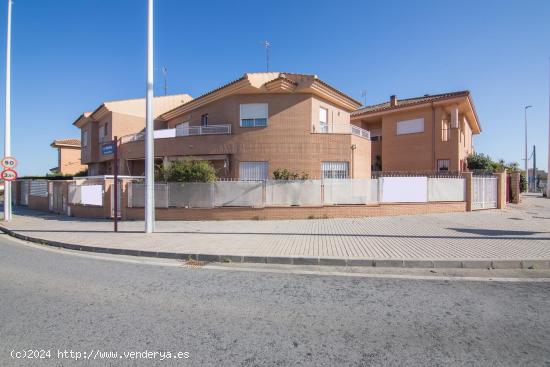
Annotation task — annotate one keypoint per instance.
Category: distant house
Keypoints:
(117, 118)
(427, 133)
(68, 156)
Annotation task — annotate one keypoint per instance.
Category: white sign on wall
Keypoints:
(91, 195)
(404, 189)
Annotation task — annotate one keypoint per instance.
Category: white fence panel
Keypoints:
(86, 195)
(191, 195)
(238, 193)
(404, 189)
(374, 190)
(446, 189)
(138, 196)
(91, 195)
(348, 191)
(24, 192)
(288, 193)
(484, 192)
(39, 188)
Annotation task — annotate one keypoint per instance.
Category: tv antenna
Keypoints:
(364, 95)
(165, 75)
(266, 45)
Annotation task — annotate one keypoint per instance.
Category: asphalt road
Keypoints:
(52, 300)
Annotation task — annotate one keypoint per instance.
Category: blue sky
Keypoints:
(69, 56)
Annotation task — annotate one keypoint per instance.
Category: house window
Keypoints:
(445, 126)
(84, 138)
(253, 171)
(253, 115)
(204, 120)
(443, 164)
(323, 120)
(334, 169)
(410, 126)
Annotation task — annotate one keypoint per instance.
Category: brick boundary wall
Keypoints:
(39, 203)
(339, 211)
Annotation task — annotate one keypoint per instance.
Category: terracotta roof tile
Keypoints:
(67, 141)
(409, 102)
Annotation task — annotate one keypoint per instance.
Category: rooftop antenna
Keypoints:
(266, 45)
(165, 74)
(364, 95)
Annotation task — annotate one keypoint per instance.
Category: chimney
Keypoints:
(393, 101)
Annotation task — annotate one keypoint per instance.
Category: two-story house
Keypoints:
(68, 156)
(432, 132)
(116, 118)
(258, 123)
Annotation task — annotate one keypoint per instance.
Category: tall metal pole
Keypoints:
(534, 168)
(7, 126)
(526, 157)
(149, 130)
(548, 177)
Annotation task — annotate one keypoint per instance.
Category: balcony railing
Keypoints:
(222, 129)
(343, 129)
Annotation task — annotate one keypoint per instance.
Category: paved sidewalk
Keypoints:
(521, 232)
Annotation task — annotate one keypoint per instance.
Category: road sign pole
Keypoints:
(115, 194)
(7, 126)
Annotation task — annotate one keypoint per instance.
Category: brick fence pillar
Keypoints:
(515, 187)
(469, 190)
(501, 189)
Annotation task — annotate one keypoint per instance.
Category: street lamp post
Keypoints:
(149, 130)
(526, 158)
(7, 126)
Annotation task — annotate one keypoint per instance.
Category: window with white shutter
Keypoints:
(410, 126)
(253, 115)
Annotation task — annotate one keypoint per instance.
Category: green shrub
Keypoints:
(187, 170)
(285, 174)
(522, 182)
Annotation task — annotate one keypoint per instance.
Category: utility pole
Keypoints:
(266, 45)
(149, 130)
(534, 169)
(7, 126)
(526, 158)
(165, 74)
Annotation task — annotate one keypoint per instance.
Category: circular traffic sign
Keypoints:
(8, 175)
(9, 162)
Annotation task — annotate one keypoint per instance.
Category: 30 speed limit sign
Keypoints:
(8, 175)
(9, 162)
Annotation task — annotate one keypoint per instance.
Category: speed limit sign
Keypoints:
(8, 175)
(9, 162)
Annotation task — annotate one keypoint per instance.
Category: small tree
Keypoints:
(187, 170)
(481, 162)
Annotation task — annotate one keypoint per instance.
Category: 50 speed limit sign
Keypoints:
(8, 175)
(9, 162)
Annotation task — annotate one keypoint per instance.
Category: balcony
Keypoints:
(343, 129)
(222, 129)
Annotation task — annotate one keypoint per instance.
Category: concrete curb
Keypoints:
(322, 261)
